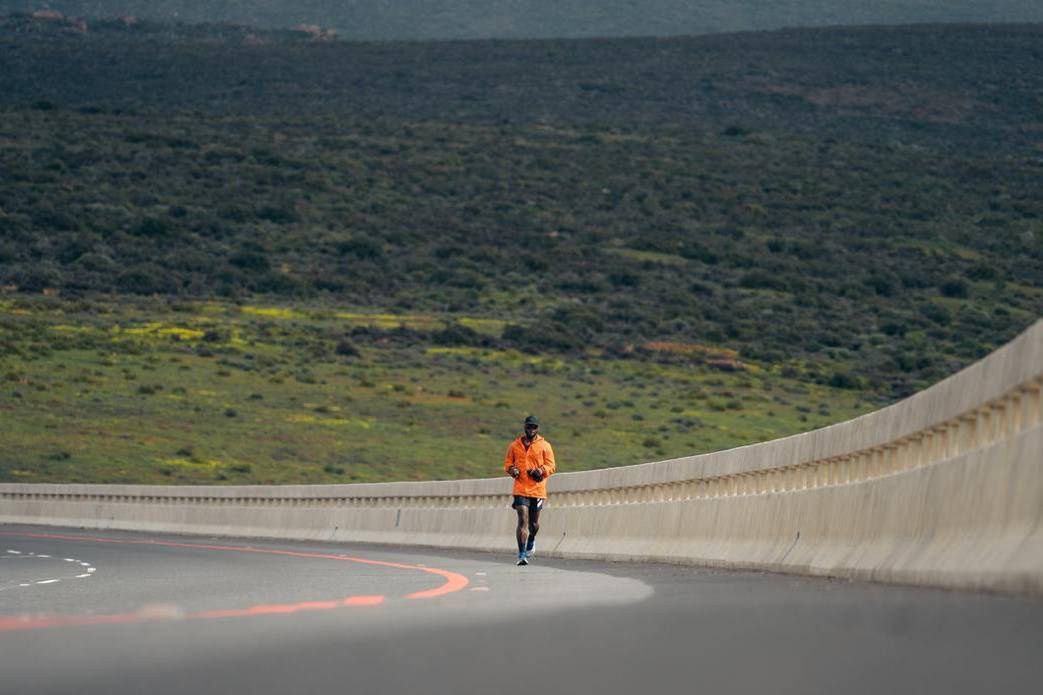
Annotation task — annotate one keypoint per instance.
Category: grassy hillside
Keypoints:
(379, 20)
(204, 392)
(767, 231)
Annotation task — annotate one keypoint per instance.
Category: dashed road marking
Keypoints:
(453, 582)
(23, 556)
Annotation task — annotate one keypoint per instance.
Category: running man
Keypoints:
(530, 461)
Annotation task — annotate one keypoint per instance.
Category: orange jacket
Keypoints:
(538, 455)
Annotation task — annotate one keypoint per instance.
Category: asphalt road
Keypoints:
(110, 612)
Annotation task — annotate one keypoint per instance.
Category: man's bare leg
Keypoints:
(523, 526)
(534, 527)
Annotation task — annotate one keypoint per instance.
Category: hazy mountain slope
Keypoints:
(467, 19)
(860, 206)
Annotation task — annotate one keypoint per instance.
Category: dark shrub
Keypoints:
(883, 286)
(700, 288)
(844, 380)
(549, 336)
(581, 320)
(145, 279)
(624, 279)
(936, 313)
(251, 260)
(152, 228)
(345, 348)
(535, 263)
(982, 272)
(37, 279)
(763, 280)
(457, 334)
(584, 283)
(233, 213)
(955, 287)
(361, 247)
(697, 252)
(50, 219)
(278, 214)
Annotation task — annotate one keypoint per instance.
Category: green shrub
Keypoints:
(456, 334)
(152, 228)
(955, 287)
(361, 247)
(145, 279)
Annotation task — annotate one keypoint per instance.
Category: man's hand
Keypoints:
(536, 474)
(513, 470)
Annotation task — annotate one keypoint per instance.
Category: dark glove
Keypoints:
(536, 474)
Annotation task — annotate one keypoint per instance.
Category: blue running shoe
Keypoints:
(522, 560)
(530, 550)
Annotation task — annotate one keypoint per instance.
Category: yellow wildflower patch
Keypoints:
(210, 307)
(158, 329)
(236, 339)
(193, 463)
(468, 352)
(307, 419)
(272, 312)
(388, 321)
(63, 328)
(493, 327)
(652, 256)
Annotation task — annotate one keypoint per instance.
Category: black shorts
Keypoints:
(534, 504)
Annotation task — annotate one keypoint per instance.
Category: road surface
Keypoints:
(114, 612)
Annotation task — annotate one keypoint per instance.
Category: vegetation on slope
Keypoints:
(856, 210)
(206, 392)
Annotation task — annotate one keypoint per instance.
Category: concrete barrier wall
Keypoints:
(944, 488)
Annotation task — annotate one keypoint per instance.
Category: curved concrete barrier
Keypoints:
(944, 488)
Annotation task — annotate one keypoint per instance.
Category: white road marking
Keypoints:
(480, 574)
(480, 588)
(87, 570)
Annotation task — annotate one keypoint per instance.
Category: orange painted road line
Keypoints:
(453, 582)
